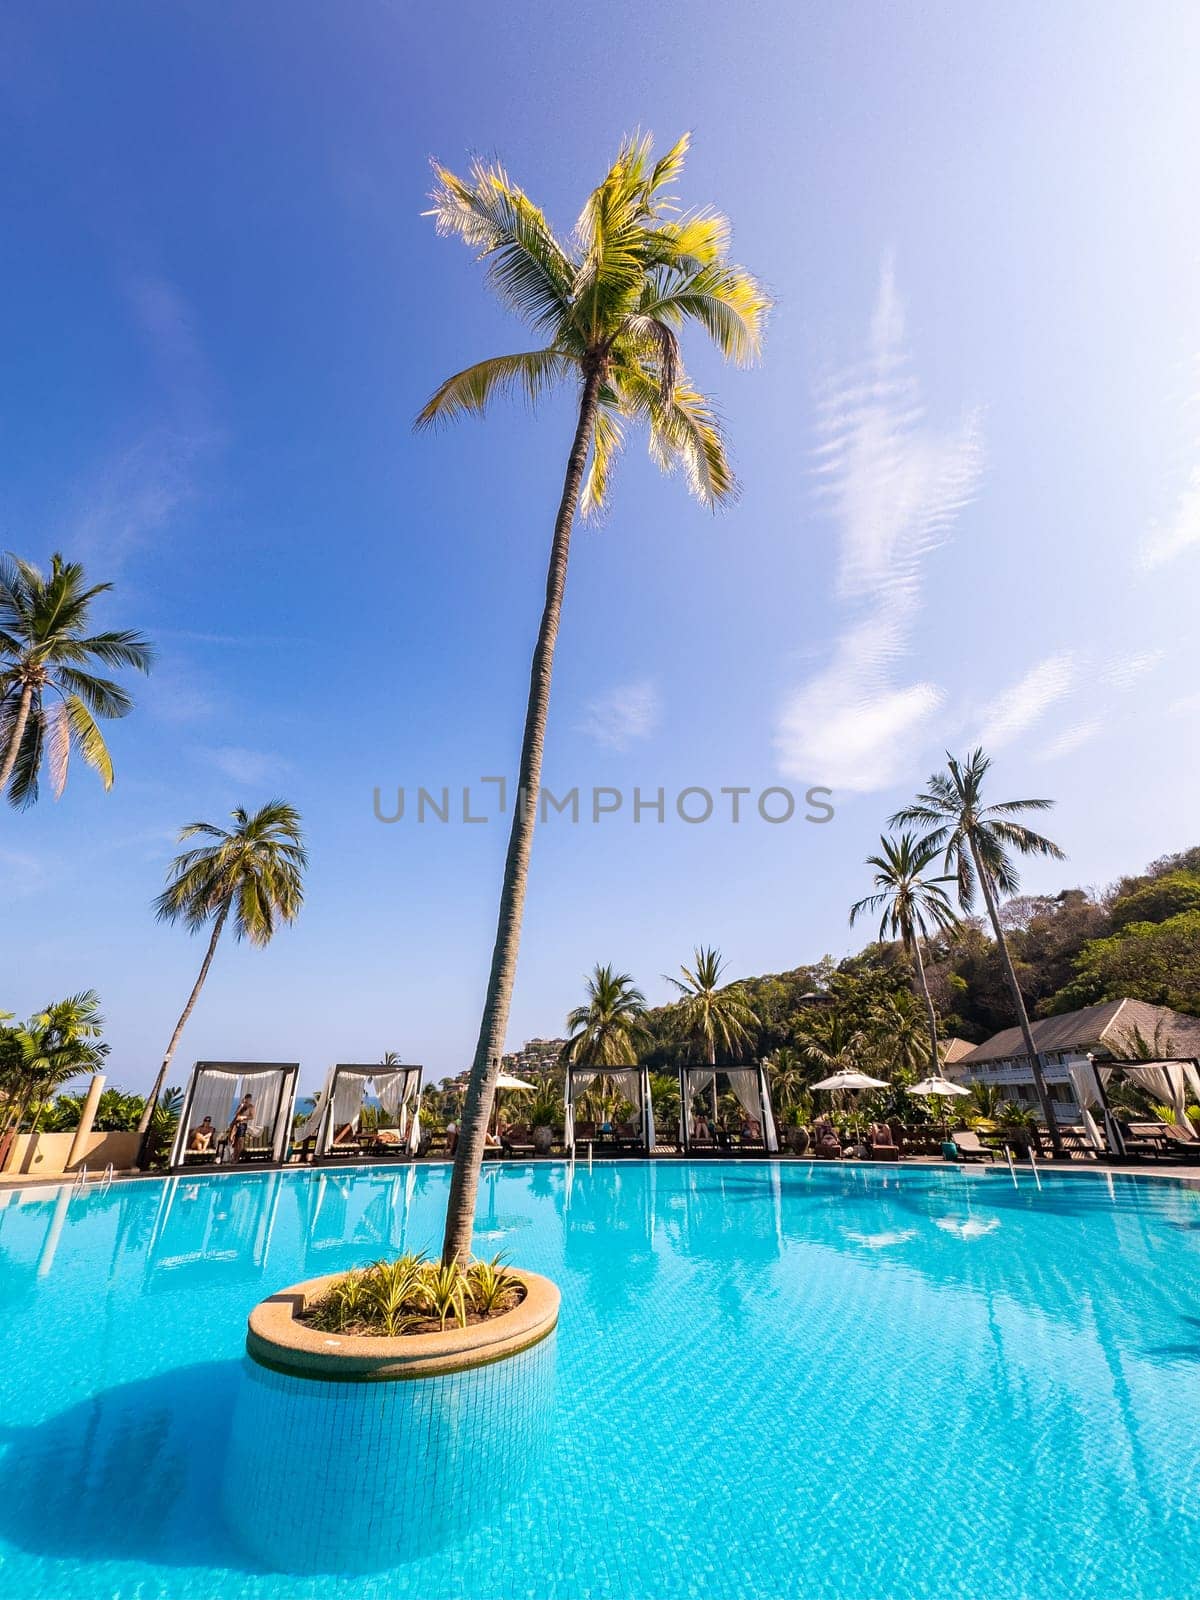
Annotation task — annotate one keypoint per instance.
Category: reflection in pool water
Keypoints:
(771, 1379)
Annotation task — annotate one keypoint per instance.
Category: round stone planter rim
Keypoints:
(276, 1339)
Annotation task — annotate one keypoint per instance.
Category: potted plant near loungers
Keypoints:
(1018, 1127)
(544, 1117)
(795, 1133)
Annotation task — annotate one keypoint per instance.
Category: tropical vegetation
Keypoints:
(39, 1056)
(51, 694)
(252, 872)
(607, 306)
(415, 1295)
(979, 841)
(912, 904)
(606, 1031)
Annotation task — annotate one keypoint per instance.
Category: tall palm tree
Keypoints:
(712, 1017)
(607, 306)
(607, 1030)
(977, 841)
(49, 695)
(253, 872)
(911, 905)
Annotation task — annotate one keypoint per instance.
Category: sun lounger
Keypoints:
(881, 1144)
(970, 1147)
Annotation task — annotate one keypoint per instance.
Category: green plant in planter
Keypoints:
(443, 1290)
(397, 1297)
(489, 1283)
(392, 1286)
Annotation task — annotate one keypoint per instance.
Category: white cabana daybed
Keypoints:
(1174, 1083)
(216, 1089)
(335, 1124)
(747, 1084)
(632, 1083)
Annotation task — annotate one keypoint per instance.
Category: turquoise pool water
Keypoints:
(771, 1380)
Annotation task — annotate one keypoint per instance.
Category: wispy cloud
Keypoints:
(627, 713)
(150, 477)
(1071, 739)
(1026, 702)
(245, 766)
(1122, 672)
(895, 484)
(1179, 531)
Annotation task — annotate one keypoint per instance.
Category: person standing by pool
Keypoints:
(243, 1119)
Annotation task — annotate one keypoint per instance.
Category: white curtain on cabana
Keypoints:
(214, 1093)
(749, 1085)
(265, 1090)
(1087, 1091)
(343, 1104)
(696, 1080)
(1173, 1083)
(631, 1082)
(395, 1089)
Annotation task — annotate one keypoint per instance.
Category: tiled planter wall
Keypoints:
(355, 1477)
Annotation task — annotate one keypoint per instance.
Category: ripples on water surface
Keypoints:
(772, 1380)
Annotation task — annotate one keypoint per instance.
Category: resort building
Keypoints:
(535, 1055)
(1118, 1030)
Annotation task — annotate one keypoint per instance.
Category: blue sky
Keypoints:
(970, 461)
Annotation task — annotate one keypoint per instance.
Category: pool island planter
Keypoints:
(350, 1453)
(277, 1339)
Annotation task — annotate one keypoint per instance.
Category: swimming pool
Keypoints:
(772, 1379)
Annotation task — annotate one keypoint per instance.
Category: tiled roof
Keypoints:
(1104, 1029)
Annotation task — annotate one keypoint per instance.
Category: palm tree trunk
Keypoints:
(18, 733)
(481, 1089)
(1010, 972)
(930, 1014)
(152, 1098)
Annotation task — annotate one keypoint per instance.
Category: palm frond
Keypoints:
(468, 392)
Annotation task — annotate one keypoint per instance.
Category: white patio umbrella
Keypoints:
(938, 1086)
(505, 1080)
(850, 1080)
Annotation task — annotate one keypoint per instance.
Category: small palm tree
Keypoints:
(901, 1032)
(787, 1076)
(49, 696)
(53, 1047)
(607, 1030)
(911, 904)
(607, 307)
(253, 872)
(712, 1017)
(978, 842)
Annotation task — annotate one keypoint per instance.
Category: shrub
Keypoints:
(414, 1295)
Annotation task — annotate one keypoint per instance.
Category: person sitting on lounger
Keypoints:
(493, 1139)
(200, 1140)
(751, 1128)
(827, 1141)
(701, 1129)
